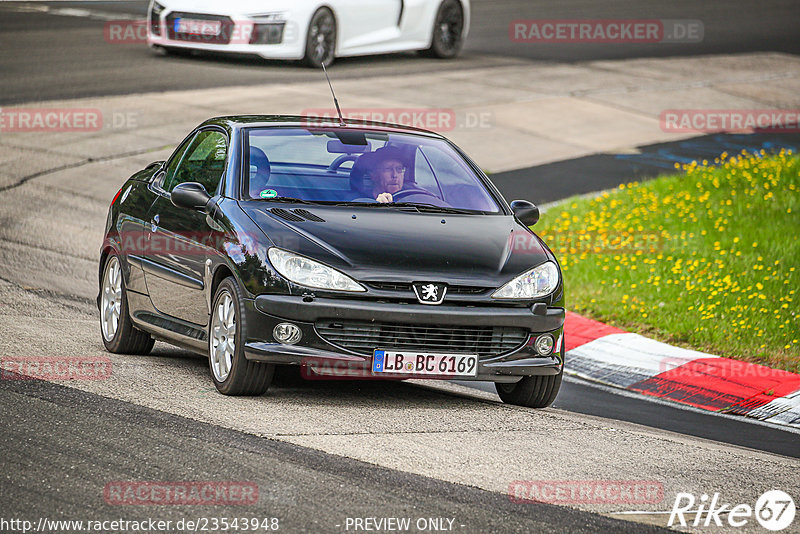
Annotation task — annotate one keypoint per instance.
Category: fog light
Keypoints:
(544, 344)
(287, 333)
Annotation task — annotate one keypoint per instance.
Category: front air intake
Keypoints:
(308, 215)
(298, 215)
(286, 215)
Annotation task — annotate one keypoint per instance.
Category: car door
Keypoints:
(366, 24)
(180, 239)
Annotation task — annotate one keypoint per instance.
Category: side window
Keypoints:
(203, 161)
(169, 178)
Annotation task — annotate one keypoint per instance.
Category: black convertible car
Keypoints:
(372, 248)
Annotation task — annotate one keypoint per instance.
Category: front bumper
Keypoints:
(291, 47)
(289, 51)
(325, 358)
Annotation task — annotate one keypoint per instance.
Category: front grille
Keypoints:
(403, 286)
(390, 286)
(467, 290)
(364, 337)
(227, 27)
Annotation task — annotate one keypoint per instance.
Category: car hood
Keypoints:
(389, 244)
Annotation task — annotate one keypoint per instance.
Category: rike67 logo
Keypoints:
(774, 510)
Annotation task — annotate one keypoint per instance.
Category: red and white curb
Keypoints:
(611, 356)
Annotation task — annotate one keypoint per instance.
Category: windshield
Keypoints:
(334, 165)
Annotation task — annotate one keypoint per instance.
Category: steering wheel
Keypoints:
(340, 160)
(403, 193)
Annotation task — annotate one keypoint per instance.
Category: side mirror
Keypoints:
(525, 211)
(191, 195)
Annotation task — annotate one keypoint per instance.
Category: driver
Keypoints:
(388, 174)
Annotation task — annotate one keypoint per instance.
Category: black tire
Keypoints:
(320, 39)
(127, 339)
(448, 31)
(245, 377)
(531, 391)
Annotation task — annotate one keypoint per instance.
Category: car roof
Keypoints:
(302, 121)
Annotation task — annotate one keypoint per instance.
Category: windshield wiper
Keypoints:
(431, 208)
(359, 204)
(416, 206)
(290, 200)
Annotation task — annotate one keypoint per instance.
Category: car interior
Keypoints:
(347, 176)
(338, 182)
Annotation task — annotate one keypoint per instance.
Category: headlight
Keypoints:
(155, 21)
(307, 272)
(537, 282)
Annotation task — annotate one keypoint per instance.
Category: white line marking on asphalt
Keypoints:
(638, 512)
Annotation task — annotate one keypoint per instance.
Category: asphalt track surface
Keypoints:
(103, 440)
(50, 57)
(133, 442)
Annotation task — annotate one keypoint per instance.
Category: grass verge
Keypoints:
(707, 259)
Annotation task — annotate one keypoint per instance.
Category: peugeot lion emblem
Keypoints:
(430, 292)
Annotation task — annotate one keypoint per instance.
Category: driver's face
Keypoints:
(391, 174)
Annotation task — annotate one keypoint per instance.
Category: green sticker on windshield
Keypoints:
(269, 193)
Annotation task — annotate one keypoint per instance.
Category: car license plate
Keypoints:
(416, 363)
(207, 28)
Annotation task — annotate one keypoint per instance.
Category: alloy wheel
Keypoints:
(449, 27)
(223, 336)
(322, 35)
(111, 303)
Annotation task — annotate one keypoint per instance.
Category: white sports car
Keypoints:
(314, 31)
